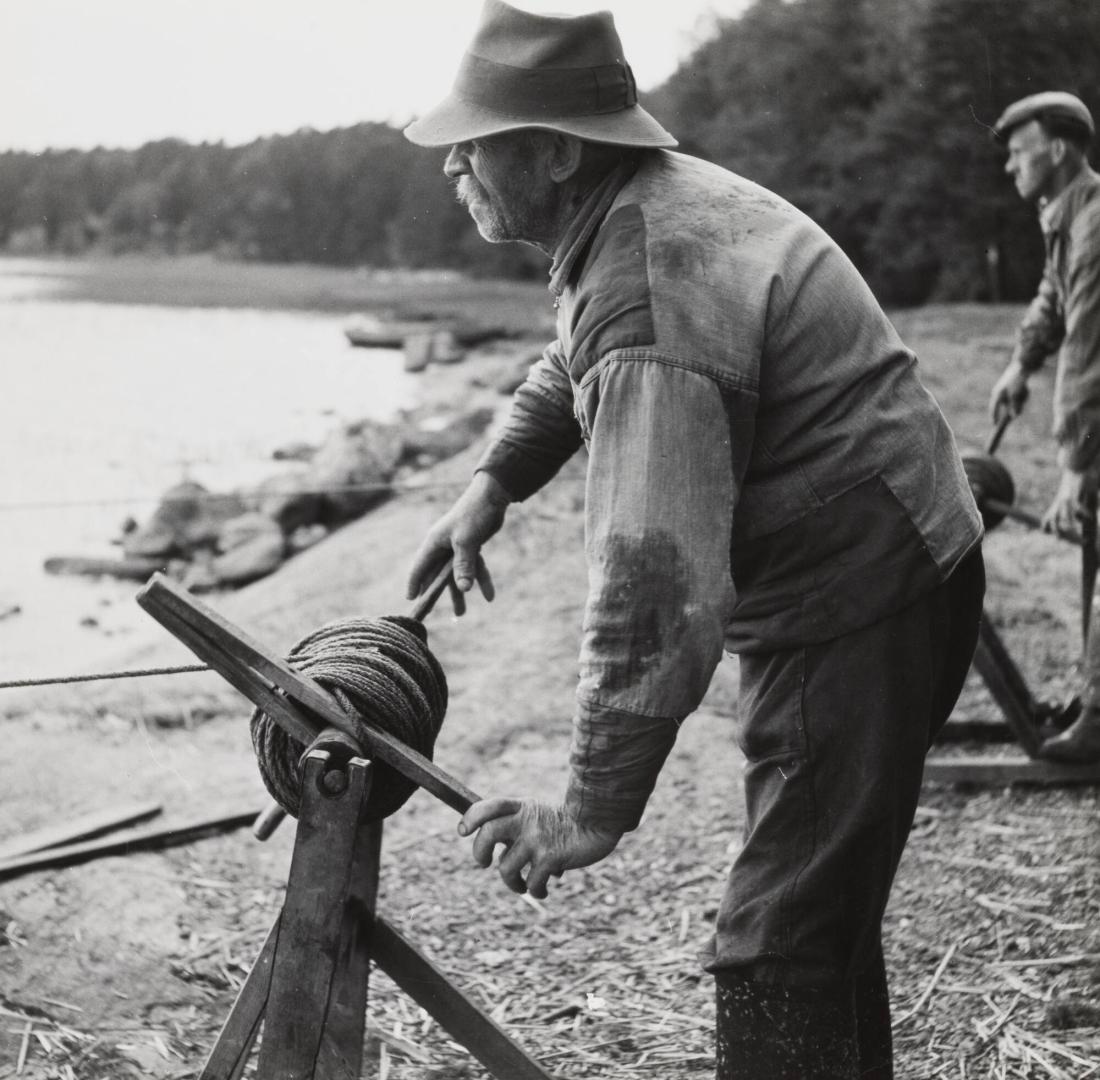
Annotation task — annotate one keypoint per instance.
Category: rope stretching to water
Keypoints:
(383, 673)
(57, 680)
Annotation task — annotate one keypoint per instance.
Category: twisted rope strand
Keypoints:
(57, 680)
(383, 674)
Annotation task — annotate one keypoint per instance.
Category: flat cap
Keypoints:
(1049, 103)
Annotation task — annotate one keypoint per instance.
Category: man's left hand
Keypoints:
(1064, 515)
(534, 834)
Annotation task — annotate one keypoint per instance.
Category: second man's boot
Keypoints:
(1079, 744)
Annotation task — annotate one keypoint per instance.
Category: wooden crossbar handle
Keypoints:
(426, 600)
(288, 696)
(1030, 520)
(998, 434)
(268, 820)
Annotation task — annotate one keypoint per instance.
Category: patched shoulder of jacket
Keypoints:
(612, 305)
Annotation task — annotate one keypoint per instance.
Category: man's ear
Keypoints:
(565, 157)
(1057, 150)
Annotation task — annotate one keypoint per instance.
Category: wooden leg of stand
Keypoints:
(230, 1054)
(449, 1007)
(1007, 686)
(329, 890)
(341, 1050)
(1015, 770)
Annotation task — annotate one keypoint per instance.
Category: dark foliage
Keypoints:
(360, 196)
(873, 116)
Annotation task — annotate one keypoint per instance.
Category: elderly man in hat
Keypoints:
(1048, 136)
(767, 475)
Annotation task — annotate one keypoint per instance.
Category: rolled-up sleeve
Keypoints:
(1078, 391)
(668, 451)
(541, 432)
(1041, 329)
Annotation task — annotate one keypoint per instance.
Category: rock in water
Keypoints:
(188, 517)
(289, 500)
(428, 446)
(352, 468)
(249, 547)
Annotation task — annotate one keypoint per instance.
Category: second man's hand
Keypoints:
(534, 834)
(1066, 511)
(1009, 393)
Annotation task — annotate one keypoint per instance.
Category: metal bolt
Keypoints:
(335, 782)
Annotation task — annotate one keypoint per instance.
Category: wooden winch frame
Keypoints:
(308, 987)
(1025, 717)
(1028, 720)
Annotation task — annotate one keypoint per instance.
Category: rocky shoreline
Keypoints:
(215, 540)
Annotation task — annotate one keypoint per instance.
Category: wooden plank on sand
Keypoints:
(82, 828)
(978, 770)
(127, 842)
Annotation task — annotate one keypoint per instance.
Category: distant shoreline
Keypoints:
(68, 313)
(207, 281)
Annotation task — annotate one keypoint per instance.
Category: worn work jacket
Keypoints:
(1065, 317)
(765, 467)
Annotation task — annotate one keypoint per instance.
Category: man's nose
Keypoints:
(457, 163)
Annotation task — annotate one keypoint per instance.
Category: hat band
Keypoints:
(515, 91)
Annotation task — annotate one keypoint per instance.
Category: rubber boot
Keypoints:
(1079, 744)
(770, 1032)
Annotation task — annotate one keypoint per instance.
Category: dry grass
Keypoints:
(993, 931)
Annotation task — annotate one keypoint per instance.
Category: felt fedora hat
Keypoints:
(559, 73)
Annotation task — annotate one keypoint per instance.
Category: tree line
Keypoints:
(871, 115)
(358, 196)
(874, 117)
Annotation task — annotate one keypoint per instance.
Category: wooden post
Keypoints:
(316, 1009)
(1090, 563)
(309, 984)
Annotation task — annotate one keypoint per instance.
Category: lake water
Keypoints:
(104, 406)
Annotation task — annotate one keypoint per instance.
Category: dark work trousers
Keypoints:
(834, 737)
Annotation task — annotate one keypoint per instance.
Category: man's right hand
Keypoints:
(476, 516)
(1009, 393)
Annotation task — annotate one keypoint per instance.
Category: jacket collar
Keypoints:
(1058, 212)
(584, 224)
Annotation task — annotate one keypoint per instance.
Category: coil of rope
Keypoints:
(382, 672)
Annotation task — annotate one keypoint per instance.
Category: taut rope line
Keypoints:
(57, 680)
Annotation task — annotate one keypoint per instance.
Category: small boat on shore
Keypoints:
(374, 333)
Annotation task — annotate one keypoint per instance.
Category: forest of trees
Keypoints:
(873, 116)
(870, 115)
